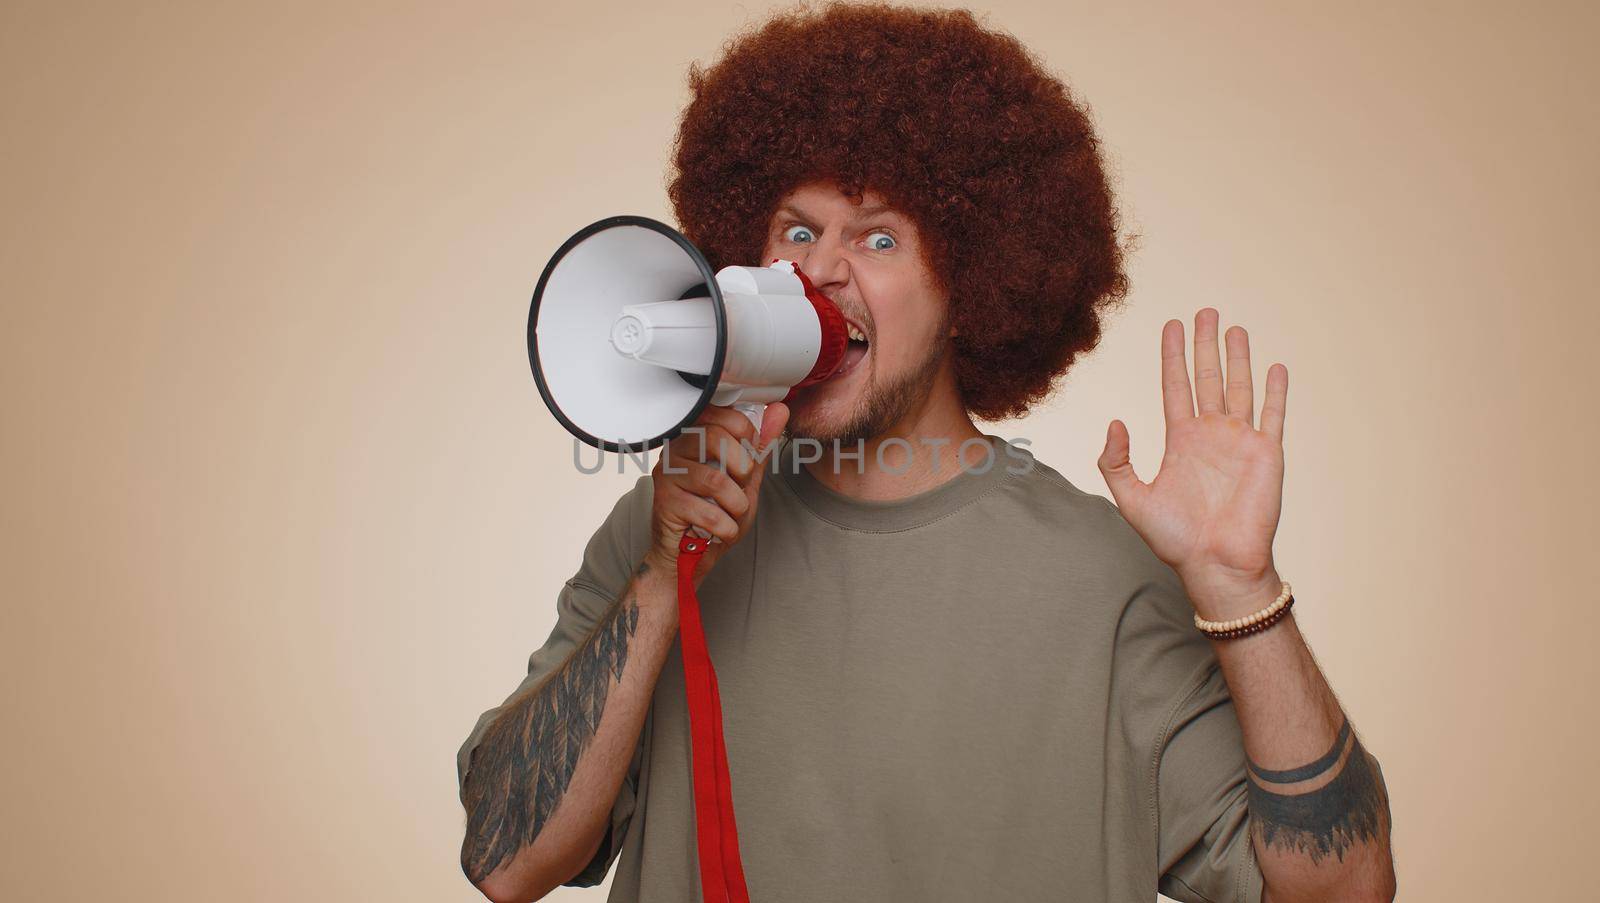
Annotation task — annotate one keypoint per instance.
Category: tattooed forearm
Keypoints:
(1340, 800)
(523, 763)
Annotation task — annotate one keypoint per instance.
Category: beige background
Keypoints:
(283, 511)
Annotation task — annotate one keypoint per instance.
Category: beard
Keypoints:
(880, 406)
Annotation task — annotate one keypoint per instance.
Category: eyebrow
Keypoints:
(860, 214)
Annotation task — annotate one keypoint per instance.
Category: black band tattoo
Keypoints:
(1345, 811)
(522, 765)
(1307, 772)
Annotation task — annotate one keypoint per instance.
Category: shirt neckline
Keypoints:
(892, 515)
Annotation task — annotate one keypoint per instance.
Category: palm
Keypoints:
(1213, 507)
(1216, 497)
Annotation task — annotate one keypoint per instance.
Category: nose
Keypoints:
(826, 265)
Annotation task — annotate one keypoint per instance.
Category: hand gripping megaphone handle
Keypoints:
(754, 411)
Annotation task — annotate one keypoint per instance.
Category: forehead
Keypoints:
(821, 201)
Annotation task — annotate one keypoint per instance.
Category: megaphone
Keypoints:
(631, 335)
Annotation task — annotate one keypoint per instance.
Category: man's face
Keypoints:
(868, 259)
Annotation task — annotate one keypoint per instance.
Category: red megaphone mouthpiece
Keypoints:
(835, 334)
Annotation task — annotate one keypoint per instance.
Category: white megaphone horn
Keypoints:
(631, 335)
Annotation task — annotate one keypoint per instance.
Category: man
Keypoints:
(947, 673)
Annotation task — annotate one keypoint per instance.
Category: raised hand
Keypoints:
(1212, 510)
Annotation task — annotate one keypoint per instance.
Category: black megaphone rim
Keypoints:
(710, 388)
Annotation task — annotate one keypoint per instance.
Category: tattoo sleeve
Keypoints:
(524, 762)
(1322, 808)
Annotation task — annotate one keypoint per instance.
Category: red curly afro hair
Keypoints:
(958, 127)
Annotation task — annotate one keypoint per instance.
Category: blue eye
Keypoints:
(797, 234)
(881, 241)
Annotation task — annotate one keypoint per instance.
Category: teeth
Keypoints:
(854, 332)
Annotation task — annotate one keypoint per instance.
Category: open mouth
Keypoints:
(856, 351)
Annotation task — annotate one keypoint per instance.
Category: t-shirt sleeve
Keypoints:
(608, 561)
(1181, 719)
(1204, 844)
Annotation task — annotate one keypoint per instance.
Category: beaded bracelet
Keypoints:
(1251, 623)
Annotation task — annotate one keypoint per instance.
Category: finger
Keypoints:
(1241, 394)
(688, 446)
(730, 419)
(773, 420)
(695, 511)
(711, 443)
(1207, 362)
(713, 482)
(1276, 405)
(1117, 468)
(730, 452)
(1175, 395)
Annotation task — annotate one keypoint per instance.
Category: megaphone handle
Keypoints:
(753, 410)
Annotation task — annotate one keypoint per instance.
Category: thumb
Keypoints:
(1115, 466)
(773, 420)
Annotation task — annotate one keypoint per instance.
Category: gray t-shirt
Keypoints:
(992, 690)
